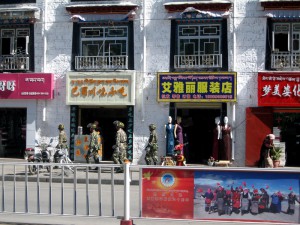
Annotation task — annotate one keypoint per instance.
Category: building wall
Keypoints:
(246, 45)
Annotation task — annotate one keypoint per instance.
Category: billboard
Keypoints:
(221, 195)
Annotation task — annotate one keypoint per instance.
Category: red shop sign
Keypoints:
(26, 86)
(279, 89)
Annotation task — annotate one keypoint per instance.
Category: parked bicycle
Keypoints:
(61, 156)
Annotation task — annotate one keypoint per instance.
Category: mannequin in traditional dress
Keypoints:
(216, 139)
(169, 129)
(178, 131)
(226, 140)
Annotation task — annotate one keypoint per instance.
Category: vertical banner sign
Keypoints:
(222, 195)
(196, 87)
(279, 89)
(73, 128)
(130, 133)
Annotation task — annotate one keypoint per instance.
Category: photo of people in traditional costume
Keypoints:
(245, 201)
(209, 196)
(254, 209)
(292, 199)
(246, 196)
(276, 199)
(236, 200)
(264, 200)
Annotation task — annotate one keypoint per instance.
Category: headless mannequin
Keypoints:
(226, 139)
(217, 135)
(169, 135)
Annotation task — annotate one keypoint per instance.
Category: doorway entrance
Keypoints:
(12, 132)
(198, 125)
(105, 117)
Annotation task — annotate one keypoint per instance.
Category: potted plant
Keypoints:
(211, 161)
(275, 155)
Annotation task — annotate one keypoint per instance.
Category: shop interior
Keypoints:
(198, 125)
(289, 126)
(105, 117)
(12, 132)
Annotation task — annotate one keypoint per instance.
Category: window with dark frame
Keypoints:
(4, 2)
(199, 45)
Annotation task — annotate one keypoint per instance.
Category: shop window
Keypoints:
(199, 44)
(284, 46)
(103, 47)
(14, 48)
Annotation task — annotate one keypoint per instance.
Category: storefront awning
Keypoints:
(279, 4)
(20, 14)
(279, 15)
(102, 8)
(216, 5)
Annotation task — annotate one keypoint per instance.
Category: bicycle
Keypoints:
(62, 157)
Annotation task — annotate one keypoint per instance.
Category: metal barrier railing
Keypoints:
(85, 191)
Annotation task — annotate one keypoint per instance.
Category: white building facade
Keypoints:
(106, 59)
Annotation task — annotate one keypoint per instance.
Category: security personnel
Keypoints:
(62, 137)
(120, 147)
(94, 145)
(152, 147)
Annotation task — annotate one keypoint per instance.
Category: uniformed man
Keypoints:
(94, 145)
(152, 147)
(120, 147)
(62, 137)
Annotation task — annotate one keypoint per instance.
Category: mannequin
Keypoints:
(178, 131)
(169, 129)
(216, 139)
(226, 139)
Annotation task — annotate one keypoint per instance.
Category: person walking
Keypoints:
(94, 146)
(120, 146)
(152, 146)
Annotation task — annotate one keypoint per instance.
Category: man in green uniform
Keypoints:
(62, 142)
(152, 147)
(94, 145)
(62, 137)
(120, 147)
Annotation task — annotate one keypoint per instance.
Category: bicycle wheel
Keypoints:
(65, 161)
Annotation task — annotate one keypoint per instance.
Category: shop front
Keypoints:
(101, 97)
(18, 95)
(278, 112)
(198, 99)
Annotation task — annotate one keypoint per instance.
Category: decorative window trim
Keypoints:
(123, 8)
(215, 5)
(279, 5)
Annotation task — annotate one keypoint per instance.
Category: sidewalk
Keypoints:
(81, 174)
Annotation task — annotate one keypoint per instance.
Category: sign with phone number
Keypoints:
(196, 87)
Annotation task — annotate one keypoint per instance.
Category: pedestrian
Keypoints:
(264, 201)
(236, 200)
(120, 146)
(152, 146)
(265, 160)
(94, 146)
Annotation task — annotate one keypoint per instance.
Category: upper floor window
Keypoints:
(200, 45)
(285, 45)
(14, 48)
(103, 47)
(3, 2)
